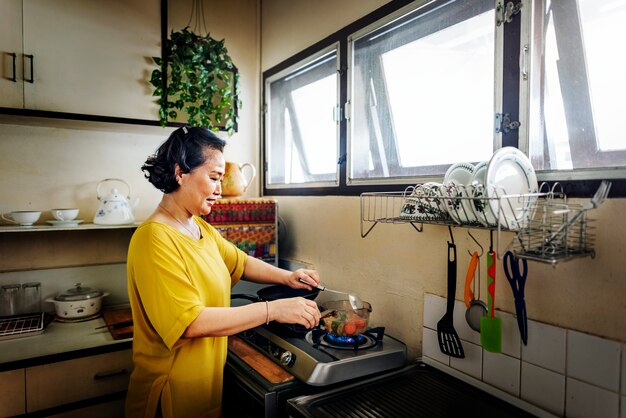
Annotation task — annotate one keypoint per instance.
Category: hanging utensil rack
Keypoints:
(534, 218)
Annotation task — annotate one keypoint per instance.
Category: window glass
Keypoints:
(422, 92)
(581, 88)
(301, 135)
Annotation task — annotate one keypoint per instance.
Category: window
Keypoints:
(422, 92)
(301, 132)
(576, 123)
(396, 97)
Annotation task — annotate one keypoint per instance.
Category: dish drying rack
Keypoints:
(547, 227)
(21, 326)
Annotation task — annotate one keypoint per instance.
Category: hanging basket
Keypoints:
(200, 81)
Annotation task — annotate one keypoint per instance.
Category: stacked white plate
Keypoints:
(511, 183)
(456, 186)
(480, 204)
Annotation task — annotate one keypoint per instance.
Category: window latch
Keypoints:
(505, 124)
(504, 14)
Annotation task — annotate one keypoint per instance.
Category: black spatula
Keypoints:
(449, 341)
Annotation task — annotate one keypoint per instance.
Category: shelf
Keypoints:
(47, 228)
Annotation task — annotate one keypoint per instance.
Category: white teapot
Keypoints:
(115, 208)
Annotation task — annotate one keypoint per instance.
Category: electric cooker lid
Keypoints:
(78, 292)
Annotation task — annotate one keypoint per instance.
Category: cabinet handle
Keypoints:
(14, 78)
(112, 373)
(32, 78)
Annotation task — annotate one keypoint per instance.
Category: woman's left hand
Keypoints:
(296, 279)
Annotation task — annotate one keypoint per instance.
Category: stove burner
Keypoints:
(369, 339)
(345, 340)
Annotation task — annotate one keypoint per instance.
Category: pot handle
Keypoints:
(252, 298)
(113, 179)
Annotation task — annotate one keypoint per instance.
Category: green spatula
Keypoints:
(491, 326)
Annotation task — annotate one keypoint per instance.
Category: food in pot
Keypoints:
(345, 321)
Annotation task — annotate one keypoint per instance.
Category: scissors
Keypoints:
(517, 280)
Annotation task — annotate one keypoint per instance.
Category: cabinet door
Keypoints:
(74, 380)
(12, 393)
(102, 410)
(11, 81)
(92, 57)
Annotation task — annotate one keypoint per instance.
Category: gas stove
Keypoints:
(318, 359)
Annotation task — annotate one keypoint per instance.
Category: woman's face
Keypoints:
(203, 185)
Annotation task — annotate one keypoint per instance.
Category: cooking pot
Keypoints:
(342, 320)
(78, 302)
(115, 207)
(275, 292)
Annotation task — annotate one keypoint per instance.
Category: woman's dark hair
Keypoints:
(185, 147)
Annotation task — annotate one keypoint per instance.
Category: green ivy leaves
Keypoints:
(201, 80)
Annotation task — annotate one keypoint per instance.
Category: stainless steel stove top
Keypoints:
(318, 364)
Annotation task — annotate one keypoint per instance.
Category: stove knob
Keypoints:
(287, 359)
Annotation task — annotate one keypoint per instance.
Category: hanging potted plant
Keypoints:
(197, 77)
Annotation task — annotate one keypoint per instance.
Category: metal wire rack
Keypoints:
(21, 326)
(540, 221)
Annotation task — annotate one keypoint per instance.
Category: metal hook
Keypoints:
(482, 250)
(451, 236)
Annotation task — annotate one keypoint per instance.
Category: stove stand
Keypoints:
(319, 365)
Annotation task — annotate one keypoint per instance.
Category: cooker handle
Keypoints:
(252, 298)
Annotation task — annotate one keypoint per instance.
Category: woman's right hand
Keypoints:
(295, 311)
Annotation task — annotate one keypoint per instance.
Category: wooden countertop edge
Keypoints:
(258, 361)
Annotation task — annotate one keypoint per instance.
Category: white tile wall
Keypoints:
(430, 347)
(461, 326)
(543, 388)
(546, 346)
(593, 360)
(434, 309)
(472, 364)
(501, 371)
(583, 400)
(562, 372)
(511, 340)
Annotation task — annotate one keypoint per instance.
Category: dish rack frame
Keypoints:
(547, 227)
(25, 325)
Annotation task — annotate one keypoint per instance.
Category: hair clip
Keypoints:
(185, 130)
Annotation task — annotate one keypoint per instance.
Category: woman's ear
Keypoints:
(178, 173)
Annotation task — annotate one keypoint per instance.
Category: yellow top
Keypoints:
(171, 279)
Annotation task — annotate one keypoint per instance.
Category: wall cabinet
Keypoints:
(83, 56)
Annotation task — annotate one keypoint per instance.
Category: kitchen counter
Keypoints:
(60, 341)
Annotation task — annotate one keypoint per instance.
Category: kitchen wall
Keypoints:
(394, 266)
(47, 163)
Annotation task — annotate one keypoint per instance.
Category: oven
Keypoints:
(308, 362)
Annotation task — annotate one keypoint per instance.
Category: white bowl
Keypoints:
(22, 217)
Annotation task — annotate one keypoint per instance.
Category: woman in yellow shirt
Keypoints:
(180, 272)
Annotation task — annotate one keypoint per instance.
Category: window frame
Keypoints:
(293, 69)
(512, 98)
